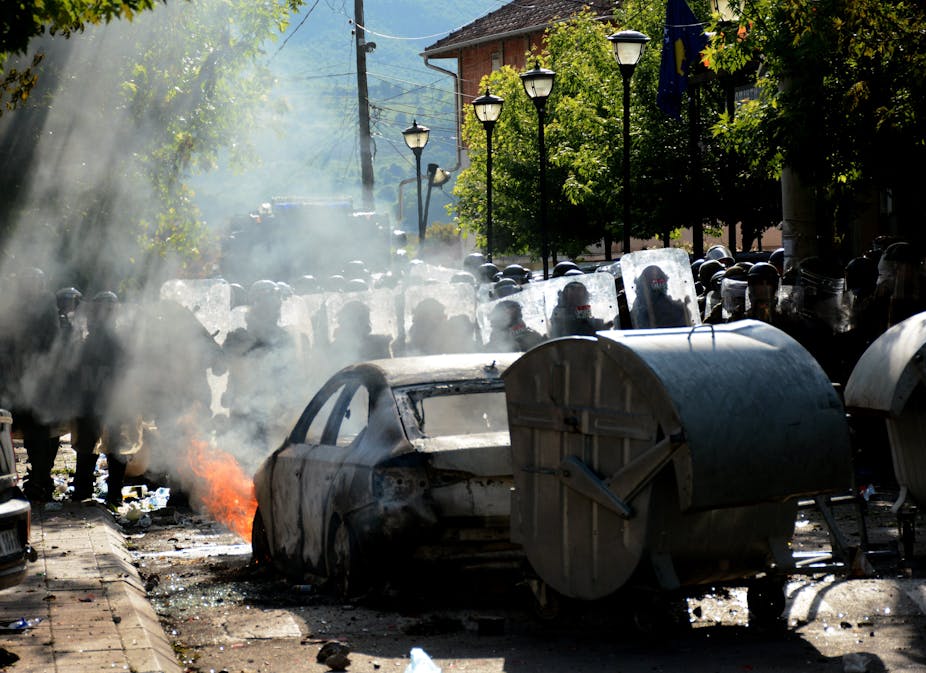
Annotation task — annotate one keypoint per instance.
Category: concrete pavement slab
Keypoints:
(84, 601)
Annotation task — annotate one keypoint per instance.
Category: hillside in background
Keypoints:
(308, 142)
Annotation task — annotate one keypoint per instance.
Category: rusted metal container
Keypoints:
(669, 457)
(888, 380)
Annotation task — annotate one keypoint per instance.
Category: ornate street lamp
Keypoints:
(416, 137)
(538, 83)
(628, 48)
(487, 109)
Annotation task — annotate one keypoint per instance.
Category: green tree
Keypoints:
(21, 22)
(670, 190)
(169, 94)
(841, 88)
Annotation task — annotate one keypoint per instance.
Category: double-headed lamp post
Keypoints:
(437, 177)
(416, 137)
(628, 48)
(487, 109)
(538, 83)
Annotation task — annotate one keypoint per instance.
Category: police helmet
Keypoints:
(68, 299)
(901, 252)
(464, 277)
(735, 272)
(516, 272)
(713, 285)
(335, 283)
(562, 267)
(261, 291)
(708, 269)
(105, 297)
(718, 252)
(762, 273)
(356, 268)
(356, 285)
(574, 294)
(306, 284)
(574, 272)
(505, 287)
(777, 259)
(488, 272)
(861, 274)
(473, 261)
(695, 265)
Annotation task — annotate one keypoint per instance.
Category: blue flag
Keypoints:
(683, 39)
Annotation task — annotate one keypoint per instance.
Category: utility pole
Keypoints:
(366, 154)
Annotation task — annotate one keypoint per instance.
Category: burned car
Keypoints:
(393, 462)
(15, 514)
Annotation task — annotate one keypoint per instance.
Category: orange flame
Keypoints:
(223, 488)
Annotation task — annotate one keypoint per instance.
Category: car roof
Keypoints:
(407, 371)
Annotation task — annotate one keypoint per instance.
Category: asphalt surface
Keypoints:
(83, 607)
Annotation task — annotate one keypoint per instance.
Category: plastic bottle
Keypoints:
(421, 662)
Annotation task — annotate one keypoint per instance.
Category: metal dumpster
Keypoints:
(888, 380)
(668, 458)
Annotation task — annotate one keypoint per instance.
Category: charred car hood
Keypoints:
(484, 454)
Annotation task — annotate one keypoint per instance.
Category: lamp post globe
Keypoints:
(628, 47)
(416, 137)
(538, 83)
(488, 108)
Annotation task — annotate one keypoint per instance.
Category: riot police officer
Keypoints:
(30, 372)
(262, 386)
(573, 313)
(509, 333)
(103, 361)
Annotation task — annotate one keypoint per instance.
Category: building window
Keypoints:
(496, 60)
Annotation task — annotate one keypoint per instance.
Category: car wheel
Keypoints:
(260, 545)
(344, 563)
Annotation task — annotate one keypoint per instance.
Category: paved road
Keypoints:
(179, 594)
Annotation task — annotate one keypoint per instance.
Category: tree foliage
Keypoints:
(841, 88)
(154, 102)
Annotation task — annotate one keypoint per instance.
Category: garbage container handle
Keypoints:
(694, 327)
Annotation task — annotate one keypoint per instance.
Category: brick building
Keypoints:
(502, 37)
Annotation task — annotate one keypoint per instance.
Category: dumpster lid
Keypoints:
(890, 369)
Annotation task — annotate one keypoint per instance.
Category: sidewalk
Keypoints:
(93, 611)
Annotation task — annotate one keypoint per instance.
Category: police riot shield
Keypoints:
(530, 301)
(381, 303)
(208, 298)
(660, 289)
(437, 318)
(559, 306)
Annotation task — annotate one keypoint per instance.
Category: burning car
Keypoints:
(393, 461)
(15, 513)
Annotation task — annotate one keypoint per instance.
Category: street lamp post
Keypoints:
(416, 137)
(628, 48)
(538, 83)
(487, 109)
(728, 13)
(437, 177)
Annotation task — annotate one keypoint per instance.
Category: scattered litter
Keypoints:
(89, 598)
(421, 662)
(20, 624)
